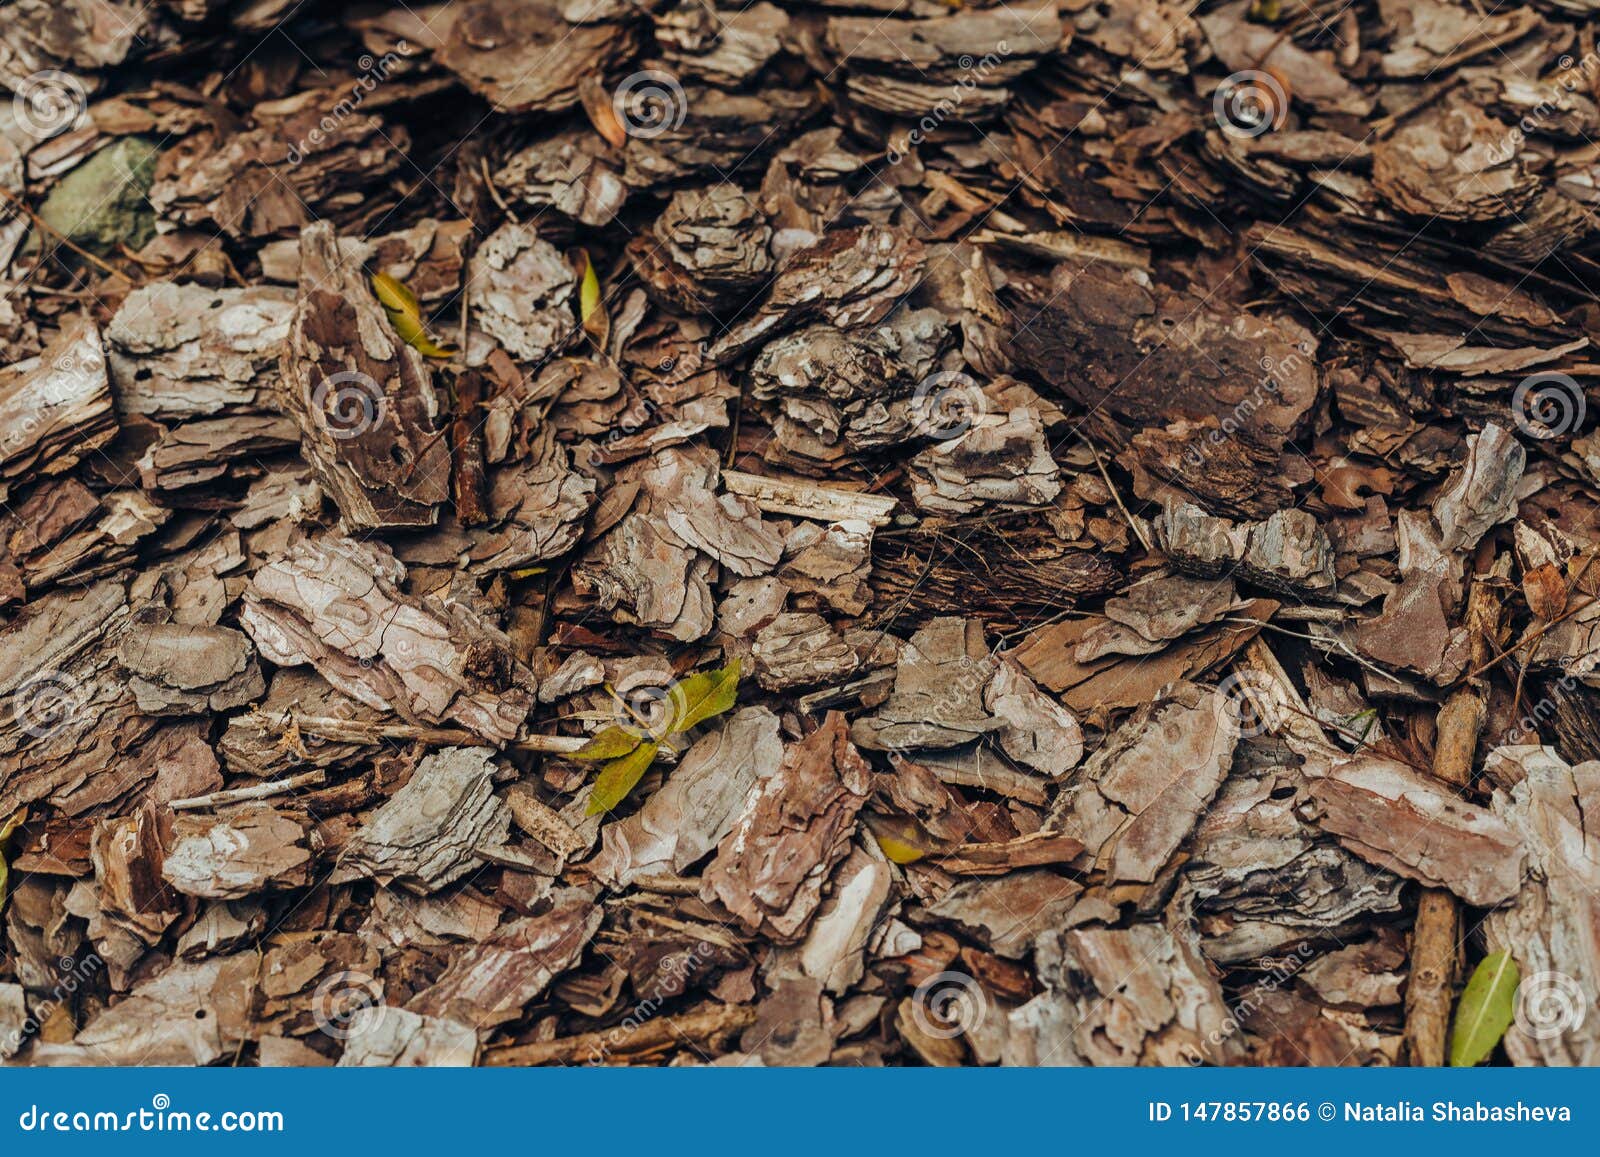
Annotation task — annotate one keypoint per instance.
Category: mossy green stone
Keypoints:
(103, 202)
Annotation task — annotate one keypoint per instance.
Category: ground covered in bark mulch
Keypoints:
(856, 532)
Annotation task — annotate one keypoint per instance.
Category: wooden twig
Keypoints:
(668, 885)
(259, 791)
(1436, 934)
(808, 500)
(61, 238)
(1530, 637)
(651, 1036)
(361, 731)
(1133, 525)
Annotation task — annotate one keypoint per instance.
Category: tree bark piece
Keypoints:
(362, 397)
(337, 604)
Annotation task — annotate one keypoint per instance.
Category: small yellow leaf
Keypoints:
(395, 295)
(589, 292)
(609, 743)
(619, 777)
(405, 314)
(591, 309)
(898, 851)
(902, 839)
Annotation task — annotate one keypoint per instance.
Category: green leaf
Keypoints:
(1485, 1010)
(700, 696)
(405, 314)
(7, 830)
(609, 743)
(619, 777)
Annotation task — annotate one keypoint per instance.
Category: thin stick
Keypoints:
(357, 731)
(651, 1036)
(1132, 525)
(1530, 637)
(259, 791)
(61, 237)
(1436, 933)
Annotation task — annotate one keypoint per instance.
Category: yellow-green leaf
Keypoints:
(588, 292)
(902, 839)
(7, 830)
(591, 310)
(619, 777)
(898, 851)
(405, 314)
(413, 333)
(700, 696)
(395, 295)
(1485, 1010)
(609, 743)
